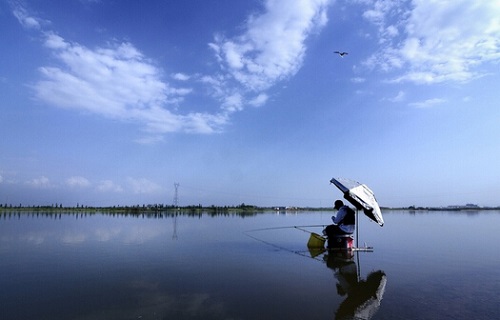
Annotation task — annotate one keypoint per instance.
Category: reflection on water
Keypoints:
(362, 296)
(90, 265)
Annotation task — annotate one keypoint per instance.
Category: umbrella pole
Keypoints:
(357, 232)
(358, 273)
(358, 265)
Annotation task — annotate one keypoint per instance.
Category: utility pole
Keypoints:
(176, 206)
(176, 195)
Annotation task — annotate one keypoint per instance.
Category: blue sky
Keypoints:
(112, 102)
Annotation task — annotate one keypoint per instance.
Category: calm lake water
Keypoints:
(424, 265)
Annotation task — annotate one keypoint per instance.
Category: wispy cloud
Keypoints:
(40, 183)
(358, 80)
(26, 19)
(272, 46)
(181, 76)
(118, 82)
(435, 41)
(398, 98)
(77, 181)
(270, 49)
(143, 186)
(109, 186)
(427, 103)
(150, 139)
(259, 100)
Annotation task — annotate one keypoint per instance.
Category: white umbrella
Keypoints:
(361, 197)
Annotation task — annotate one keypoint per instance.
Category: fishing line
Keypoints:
(289, 227)
(307, 231)
(300, 253)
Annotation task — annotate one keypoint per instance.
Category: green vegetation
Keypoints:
(151, 210)
(161, 210)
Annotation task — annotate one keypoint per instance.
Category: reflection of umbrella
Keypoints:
(364, 299)
(361, 197)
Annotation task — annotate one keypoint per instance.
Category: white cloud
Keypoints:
(53, 41)
(398, 98)
(259, 100)
(233, 102)
(181, 77)
(151, 139)
(1, 178)
(143, 186)
(25, 19)
(77, 181)
(392, 31)
(270, 49)
(118, 82)
(435, 41)
(427, 103)
(273, 45)
(358, 80)
(40, 183)
(109, 186)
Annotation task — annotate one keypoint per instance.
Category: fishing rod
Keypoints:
(356, 248)
(289, 227)
(297, 252)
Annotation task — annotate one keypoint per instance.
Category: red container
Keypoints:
(341, 242)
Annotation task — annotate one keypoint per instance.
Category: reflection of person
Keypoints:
(362, 297)
(363, 300)
(346, 271)
(343, 222)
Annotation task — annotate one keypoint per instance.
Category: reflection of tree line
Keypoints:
(133, 211)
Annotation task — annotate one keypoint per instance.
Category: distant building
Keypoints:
(471, 206)
(467, 206)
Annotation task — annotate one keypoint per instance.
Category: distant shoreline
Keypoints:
(212, 209)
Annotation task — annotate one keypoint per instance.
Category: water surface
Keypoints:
(425, 265)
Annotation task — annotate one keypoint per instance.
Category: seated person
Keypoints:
(343, 222)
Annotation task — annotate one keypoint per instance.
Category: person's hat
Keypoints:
(338, 204)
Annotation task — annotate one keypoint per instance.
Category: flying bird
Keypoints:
(341, 53)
